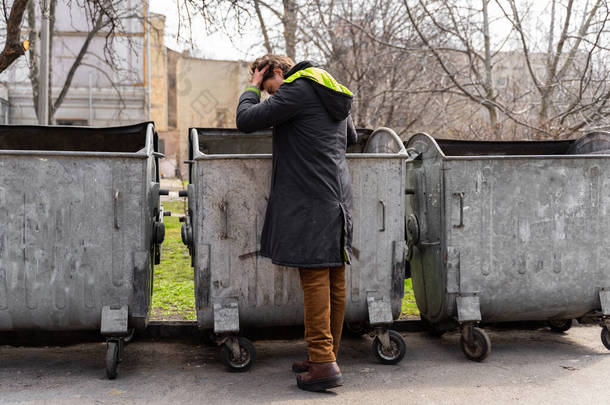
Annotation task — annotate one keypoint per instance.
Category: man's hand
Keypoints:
(257, 77)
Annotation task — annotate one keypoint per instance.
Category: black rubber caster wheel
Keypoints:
(112, 359)
(560, 325)
(396, 351)
(356, 329)
(606, 338)
(245, 359)
(480, 347)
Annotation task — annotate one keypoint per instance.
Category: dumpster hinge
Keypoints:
(114, 321)
(226, 316)
(468, 307)
(380, 310)
(604, 299)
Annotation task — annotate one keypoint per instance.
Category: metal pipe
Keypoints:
(90, 100)
(43, 93)
(148, 76)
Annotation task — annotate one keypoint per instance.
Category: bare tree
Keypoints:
(445, 64)
(572, 92)
(564, 87)
(457, 36)
(104, 18)
(276, 19)
(13, 44)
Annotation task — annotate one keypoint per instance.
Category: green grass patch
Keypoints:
(174, 289)
(176, 207)
(409, 307)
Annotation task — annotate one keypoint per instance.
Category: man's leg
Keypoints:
(322, 372)
(316, 293)
(337, 305)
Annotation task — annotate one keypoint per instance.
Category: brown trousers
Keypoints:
(324, 296)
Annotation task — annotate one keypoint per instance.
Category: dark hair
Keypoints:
(274, 61)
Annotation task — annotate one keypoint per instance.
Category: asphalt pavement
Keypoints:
(529, 367)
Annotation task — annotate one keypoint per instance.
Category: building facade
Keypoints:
(101, 93)
(146, 81)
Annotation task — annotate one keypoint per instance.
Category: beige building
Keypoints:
(188, 92)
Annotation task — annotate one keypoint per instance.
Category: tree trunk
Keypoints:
(290, 27)
(52, 7)
(33, 38)
(489, 85)
(13, 48)
(263, 25)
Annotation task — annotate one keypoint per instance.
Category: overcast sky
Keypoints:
(214, 46)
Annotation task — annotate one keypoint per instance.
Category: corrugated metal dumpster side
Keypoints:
(508, 232)
(229, 210)
(235, 287)
(76, 235)
(530, 234)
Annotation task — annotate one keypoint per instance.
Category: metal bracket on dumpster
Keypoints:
(384, 337)
(604, 299)
(380, 310)
(413, 155)
(468, 307)
(226, 316)
(114, 321)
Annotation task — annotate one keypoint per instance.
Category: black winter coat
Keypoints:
(308, 222)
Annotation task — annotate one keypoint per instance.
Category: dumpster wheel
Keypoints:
(479, 348)
(243, 362)
(560, 325)
(606, 337)
(113, 358)
(396, 350)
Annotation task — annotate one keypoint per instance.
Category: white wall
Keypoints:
(128, 76)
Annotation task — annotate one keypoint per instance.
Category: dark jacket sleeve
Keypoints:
(252, 115)
(352, 135)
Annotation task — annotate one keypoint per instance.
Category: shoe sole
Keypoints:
(320, 384)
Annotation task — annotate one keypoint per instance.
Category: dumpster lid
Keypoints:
(124, 139)
(452, 147)
(221, 141)
(595, 142)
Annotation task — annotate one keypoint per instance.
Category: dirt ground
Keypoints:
(530, 367)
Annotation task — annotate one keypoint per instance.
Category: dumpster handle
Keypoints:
(117, 195)
(382, 229)
(413, 155)
(224, 206)
(461, 196)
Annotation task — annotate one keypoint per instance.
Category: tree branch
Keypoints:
(13, 48)
(77, 62)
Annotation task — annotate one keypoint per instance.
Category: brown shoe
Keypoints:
(320, 377)
(300, 366)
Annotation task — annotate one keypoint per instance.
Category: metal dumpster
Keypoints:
(509, 231)
(229, 186)
(81, 229)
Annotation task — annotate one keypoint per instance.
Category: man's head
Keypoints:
(278, 67)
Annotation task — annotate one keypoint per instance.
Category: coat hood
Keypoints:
(336, 98)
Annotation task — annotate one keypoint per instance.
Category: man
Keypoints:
(308, 221)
